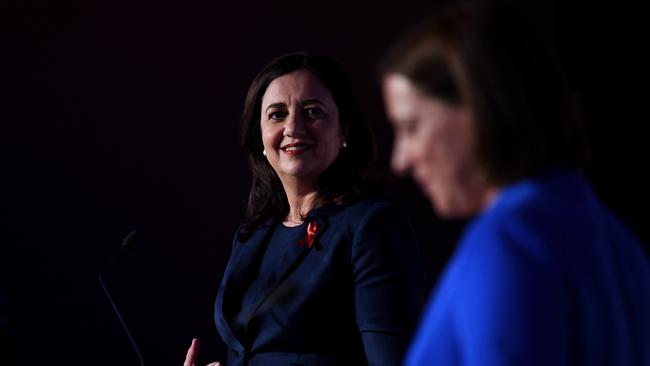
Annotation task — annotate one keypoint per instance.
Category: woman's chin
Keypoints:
(443, 204)
(300, 173)
(454, 209)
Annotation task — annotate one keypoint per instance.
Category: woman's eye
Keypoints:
(315, 113)
(277, 116)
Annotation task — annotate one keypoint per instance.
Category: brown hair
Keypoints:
(495, 59)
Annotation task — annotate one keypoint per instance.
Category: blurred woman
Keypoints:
(544, 274)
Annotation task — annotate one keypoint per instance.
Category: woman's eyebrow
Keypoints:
(275, 105)
(311, 101)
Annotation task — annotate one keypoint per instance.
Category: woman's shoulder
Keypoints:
(366, 207)
(557, 202)
(541, 219)
(557, 192)
(368, 211)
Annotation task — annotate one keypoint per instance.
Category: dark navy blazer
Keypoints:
(353, 297)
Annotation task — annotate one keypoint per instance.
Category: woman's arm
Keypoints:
(388, 284)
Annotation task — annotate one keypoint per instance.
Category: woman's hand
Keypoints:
(192, 352)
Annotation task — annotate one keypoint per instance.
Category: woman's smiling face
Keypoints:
(301, 131)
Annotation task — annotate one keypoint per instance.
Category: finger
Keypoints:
(190, 358)
(213, 364)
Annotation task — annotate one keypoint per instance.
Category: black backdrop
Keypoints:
(122, 115)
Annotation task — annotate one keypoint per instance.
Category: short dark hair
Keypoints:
(345, 179)
(493, 58)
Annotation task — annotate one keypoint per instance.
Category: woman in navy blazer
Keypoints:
(544, 274)
(321, 272)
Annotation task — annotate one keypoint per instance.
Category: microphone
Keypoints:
(129, 241)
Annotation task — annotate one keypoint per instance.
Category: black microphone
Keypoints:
(129, 241)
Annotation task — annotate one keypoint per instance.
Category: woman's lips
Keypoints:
(296, 148)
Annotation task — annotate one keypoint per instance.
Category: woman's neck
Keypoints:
(301, 201)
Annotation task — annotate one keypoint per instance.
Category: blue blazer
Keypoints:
(546, 276)
(353, 297)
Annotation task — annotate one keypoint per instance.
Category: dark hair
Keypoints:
(495, 58)
(347, 178)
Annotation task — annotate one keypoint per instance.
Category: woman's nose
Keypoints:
(399, 161)
(295, 125)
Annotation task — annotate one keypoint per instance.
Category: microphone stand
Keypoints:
(129, 241)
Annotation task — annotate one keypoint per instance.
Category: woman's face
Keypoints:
(300, 127)
(434, 141)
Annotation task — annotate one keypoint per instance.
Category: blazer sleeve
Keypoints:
(388, 283)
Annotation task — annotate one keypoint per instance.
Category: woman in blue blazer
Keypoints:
(321, 271)
(544, 274)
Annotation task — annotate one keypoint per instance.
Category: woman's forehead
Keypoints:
(296, 86)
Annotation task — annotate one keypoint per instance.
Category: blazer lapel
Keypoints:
(237, 277)
(274, 290)
(247, 255)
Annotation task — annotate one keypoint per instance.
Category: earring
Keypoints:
(345, 144)
(264, 152)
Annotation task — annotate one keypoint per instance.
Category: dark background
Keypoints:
(121, 115)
